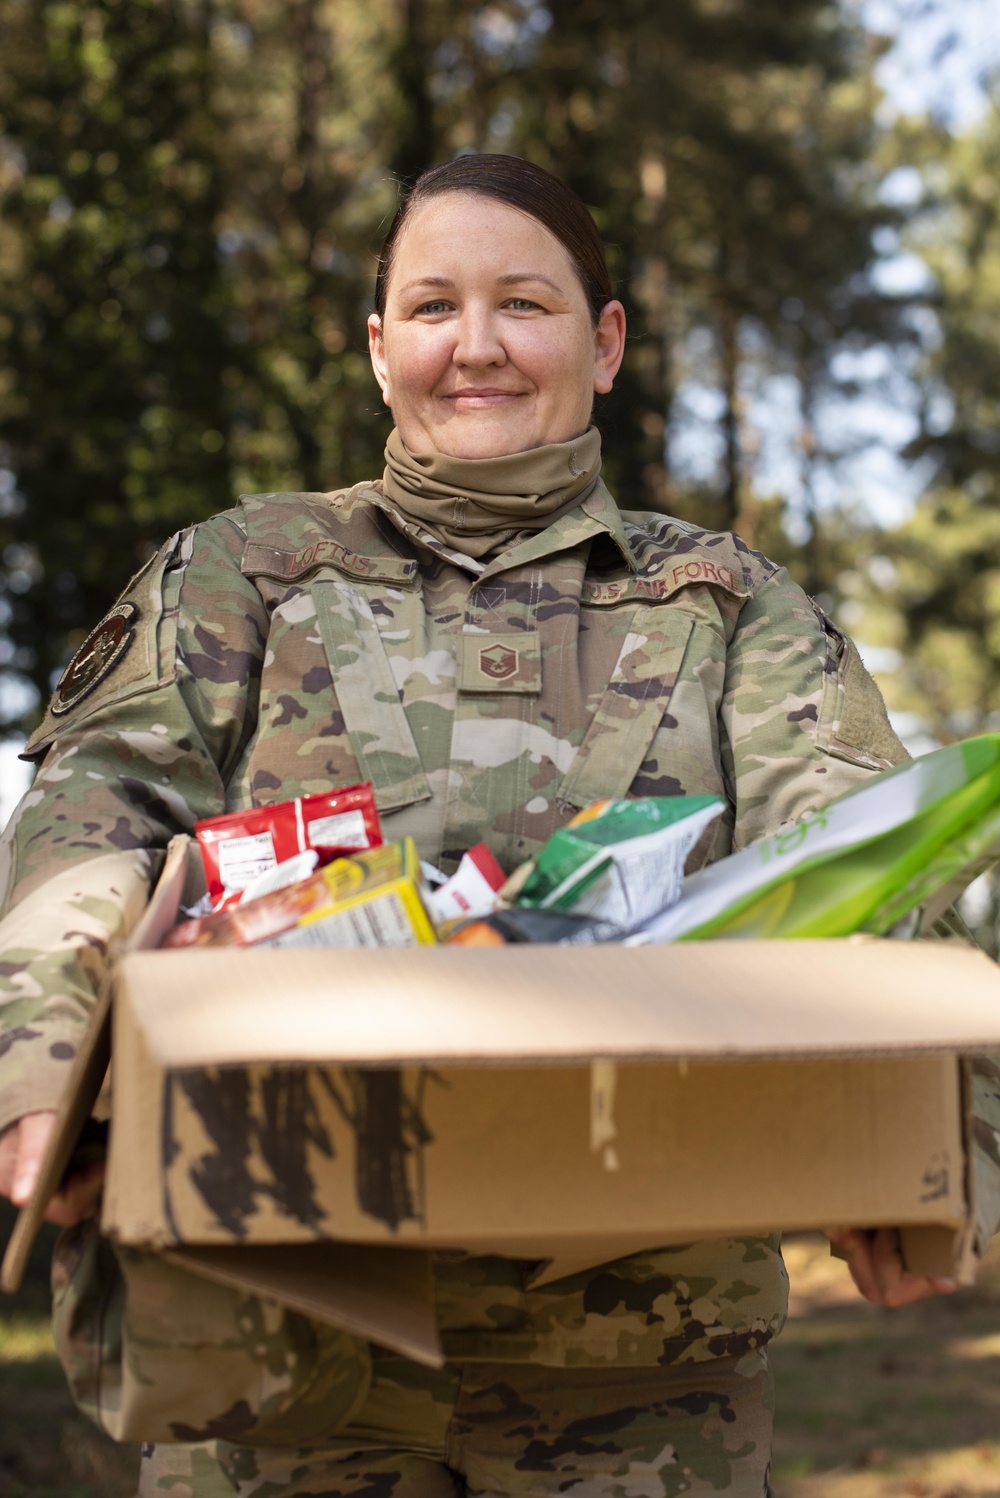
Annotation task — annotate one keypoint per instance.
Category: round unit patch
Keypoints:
(97, 657)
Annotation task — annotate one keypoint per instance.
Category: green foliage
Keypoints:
(114, 312)
(192, 193)
(940, 598)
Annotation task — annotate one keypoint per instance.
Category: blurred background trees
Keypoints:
(192, 195)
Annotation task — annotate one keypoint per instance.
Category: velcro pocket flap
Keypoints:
(853, 723)
(369, 699)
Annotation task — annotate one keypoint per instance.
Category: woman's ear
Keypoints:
(609, 346)
(376, 352)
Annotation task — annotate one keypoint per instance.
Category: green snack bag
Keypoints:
(621, 864)
(914, 834)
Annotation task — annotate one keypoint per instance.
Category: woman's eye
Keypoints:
(432, 309)
(522, 304)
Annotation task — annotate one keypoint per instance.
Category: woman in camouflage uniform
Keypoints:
(491, 641)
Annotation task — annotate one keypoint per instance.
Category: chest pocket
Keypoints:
(369, 699)
(633, 704)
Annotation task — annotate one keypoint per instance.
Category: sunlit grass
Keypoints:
(975, 1349)
(24, 1339)
(965, 1472)
(875, 1403)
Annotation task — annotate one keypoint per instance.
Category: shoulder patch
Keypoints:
(670, 577)
(663, 544)
(97, 657)
(121, 656)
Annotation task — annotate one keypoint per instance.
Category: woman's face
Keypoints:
(487, 346)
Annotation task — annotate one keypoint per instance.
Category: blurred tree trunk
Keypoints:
(729, 359)
(813, 576)
(416, 144)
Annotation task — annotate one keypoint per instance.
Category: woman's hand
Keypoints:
(876, 1266)
(22, 1150)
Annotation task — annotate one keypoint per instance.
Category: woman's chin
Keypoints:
(481, 436)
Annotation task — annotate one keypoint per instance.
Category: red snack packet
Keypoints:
(240, 846)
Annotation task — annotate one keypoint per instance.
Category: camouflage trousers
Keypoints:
(493, 1429)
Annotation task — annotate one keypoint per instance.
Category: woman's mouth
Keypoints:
(481, 399)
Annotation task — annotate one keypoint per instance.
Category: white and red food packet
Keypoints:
(241, 846)
(471, 890)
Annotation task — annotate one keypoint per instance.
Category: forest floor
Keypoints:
(871, 1403)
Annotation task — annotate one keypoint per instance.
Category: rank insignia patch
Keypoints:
(498, 662)
(97, 657)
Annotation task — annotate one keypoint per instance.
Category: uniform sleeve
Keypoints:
(142, 733)
(802, 721)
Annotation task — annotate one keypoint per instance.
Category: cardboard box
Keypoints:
(560, 1104)
(541, 1101)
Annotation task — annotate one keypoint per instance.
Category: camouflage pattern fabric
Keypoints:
(984, 1105)
(495, 1429)
(689, 1303)
(304, 640)
(308, 640)
(149, 1348)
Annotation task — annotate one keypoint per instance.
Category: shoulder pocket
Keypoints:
(131, 650)
(853, 723)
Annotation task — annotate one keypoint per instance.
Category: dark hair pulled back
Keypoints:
(521, 185)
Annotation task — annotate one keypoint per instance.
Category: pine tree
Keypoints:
(114, 316)
(941, 594)
(193, 195)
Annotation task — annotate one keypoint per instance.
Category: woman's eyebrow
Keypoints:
(517, 278)
(425, 281)
(513, 278)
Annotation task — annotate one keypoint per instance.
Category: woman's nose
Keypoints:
(478, 342)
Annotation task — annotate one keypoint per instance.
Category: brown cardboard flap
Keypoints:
(86, 1076)
(861, 996)
(562, 1265)
(931, 1249)
(384, 1295)
(937, 1252)
(88, 1071)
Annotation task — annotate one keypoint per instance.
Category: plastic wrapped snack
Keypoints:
(372, 899)
(471, 890)
(241, 846)
(907, 839)
(618, 861)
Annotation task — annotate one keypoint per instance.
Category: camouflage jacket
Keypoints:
(307, 640)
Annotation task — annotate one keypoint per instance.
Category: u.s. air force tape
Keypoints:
(97, 657)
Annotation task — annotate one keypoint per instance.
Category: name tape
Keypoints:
(293, 564)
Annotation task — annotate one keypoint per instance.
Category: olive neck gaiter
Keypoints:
(481, 505)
